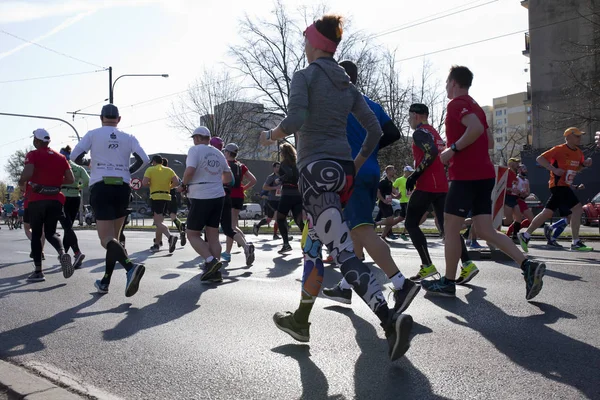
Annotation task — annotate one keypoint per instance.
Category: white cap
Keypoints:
(408, 168)
(42, 134)
(202, 131)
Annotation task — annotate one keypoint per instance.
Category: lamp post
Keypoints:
(111, 84)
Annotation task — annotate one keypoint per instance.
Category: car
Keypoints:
(395, 207)
(140, 207)
(251, 211)
(591, 211)
(88, 215)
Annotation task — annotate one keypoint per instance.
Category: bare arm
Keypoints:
(251, 180)
(26, 174)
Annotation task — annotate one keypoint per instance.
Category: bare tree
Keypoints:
(15, 164)
(516, 139)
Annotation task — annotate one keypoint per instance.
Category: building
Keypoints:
(564, 50)
(511, 126)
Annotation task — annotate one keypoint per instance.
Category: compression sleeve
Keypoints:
(391, 134)
(425, 141)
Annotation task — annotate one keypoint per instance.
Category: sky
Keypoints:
(183, 37)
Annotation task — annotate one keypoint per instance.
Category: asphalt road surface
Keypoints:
(180, 339)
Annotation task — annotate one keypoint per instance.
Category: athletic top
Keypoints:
(271, 182)
(210, 163)
(111, 151)
(82, 179)
(522, 185)
(356, 135)
(160, 182)
(400, 184)
(385, 188)
(49, 169)
(426, 147)
(289, 176)
(238, 170)
(8, 208)
(473, 162)
(512, 183)
(566, 158)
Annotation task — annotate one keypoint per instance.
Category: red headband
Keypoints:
(318, 40)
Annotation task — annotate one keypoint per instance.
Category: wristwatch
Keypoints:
(453, 148)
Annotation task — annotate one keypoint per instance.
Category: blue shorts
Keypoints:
(359, 210)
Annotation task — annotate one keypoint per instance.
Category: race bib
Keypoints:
(570, 177)
(112, 180)
(278, 192)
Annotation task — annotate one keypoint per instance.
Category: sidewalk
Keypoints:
(18, 383)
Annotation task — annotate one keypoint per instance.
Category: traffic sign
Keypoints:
(136, 184)
(10, 189)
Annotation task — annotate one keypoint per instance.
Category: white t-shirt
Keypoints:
(111, 151)
(210, 163)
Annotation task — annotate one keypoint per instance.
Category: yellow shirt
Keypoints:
(160, 182)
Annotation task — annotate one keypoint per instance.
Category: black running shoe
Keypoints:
(250, 256)
(548, 232)
(211, 268)
(287, 323)
(66, 265)
(134, 276)
(255, 229)
(336, 293)
(154, 248)
(79, 257)
(405, 296)
(285, 249)
(217, 277)
(172, 243)
(276, 237)
(533, 272)
(398, 336)
(36, 277)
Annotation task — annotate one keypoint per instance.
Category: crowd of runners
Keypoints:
(329, 184)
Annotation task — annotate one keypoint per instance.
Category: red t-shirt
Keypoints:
(433, 179)
(473, 162)
(238, 170)
(49, 170)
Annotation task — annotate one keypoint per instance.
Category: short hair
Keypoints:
(276, 163)
(389, 167)
(351, 70)
(165, 162)
(461, 75)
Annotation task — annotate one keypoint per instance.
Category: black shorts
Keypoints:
(204, 212)
(109, 202)
(289, 203)
(237, 203)
(511, 201)
(563, 199)
(385, 210)
(272, 206)
(26, 216)
(403, 208)
(173, 206)
(159, 207)
(421, 202)
(470, 196)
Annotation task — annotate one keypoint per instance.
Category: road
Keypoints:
(179, 339)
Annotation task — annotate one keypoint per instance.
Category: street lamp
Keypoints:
(111, 84)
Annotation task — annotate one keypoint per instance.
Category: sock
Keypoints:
(575, 241)
(275, 228)
(525, 223)
(209, 259)
(449, 280)
(398, 280)
(517, 228)
(345, 285)
(116, 252)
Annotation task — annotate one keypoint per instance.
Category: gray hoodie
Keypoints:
(321, 97)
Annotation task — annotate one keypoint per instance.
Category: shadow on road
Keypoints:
(27, 339)
(530, 343)
(284, 266)
(371, 381)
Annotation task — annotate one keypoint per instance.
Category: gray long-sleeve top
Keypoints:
(321, 97)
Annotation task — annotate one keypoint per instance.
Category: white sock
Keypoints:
(527, 235)
(575, 241)
(209, 259)
(398, 281)
(344, 284)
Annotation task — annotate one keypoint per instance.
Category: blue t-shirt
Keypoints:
(356, 135)
(9, 208)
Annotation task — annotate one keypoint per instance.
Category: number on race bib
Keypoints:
(570, 177)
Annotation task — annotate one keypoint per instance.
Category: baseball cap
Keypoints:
(202, 131)
(514, 159)
(216, 142)
(573, 131)
(419, 108)
(408, 168)
(41, 134)
(232, 148)
(157, 158)
(110, 111)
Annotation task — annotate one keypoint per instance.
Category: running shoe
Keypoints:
(217, 277)
(154, 248)
(466, 233)
(524, 242)
(287, 323)
(404, 237)
(533, 272)
(182, 235)
(255, 229)
(467, 272)
(405, 296)
(134, 275)
(276, 237)
(548, 232)
(172, 243)
(285, 249)
(580, 246)
(441, 287)
(250, 256)
(475, 245)
(79, 257)
(425, 272)
(336, 293)
(226, 256)
(36, 276)
(553, 243)
(398, 336)
(101, 287)
(391, 236)
(66, 265)
(211, 268)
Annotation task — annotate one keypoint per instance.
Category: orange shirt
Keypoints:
(567, 159)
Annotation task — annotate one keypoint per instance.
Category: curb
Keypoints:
(22, 384)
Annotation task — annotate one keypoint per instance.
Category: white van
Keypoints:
(251, 211)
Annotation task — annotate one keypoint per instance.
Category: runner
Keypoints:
(431, 188)
(472, 178)
(72, 194)
(291, 199)
(226, 225)
(239, 171)
(523, 191)
(111, 151)
(384, 197)
(26, 224)
(358, 213)
(45, 170)
(512, 210)
(173, 208)
(404, 196)
(205, 173)
(160, 179)
(563, 162)
(8, 208)
(321, 98)
(272, 201)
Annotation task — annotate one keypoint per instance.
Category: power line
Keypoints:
(49, 49)
(51, 76)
